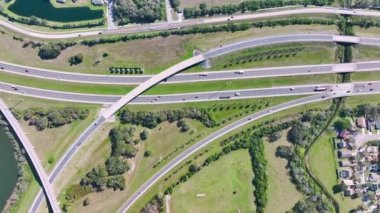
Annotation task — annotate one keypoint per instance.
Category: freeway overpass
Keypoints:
(185, 64)
(28, 147)
(138, 28)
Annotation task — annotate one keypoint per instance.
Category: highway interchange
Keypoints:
(170, 76)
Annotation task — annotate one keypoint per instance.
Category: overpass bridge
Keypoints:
(32, 156)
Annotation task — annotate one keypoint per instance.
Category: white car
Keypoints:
(237, 94)
(239, 72)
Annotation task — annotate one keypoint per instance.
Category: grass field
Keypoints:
(241, 84)
(214, 147)
(50, 143)
(311, 53)
(365, 53)
(365, 76)
(218, 182)
(210, 3)
(323, 165)
(163, 140)
(153, 54)
(282, 193)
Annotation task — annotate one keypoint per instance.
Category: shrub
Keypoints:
(76, 59)
(49, 51)
(144, 135)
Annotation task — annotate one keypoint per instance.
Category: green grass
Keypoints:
(164, 88)
(323, 165)
(365, 53)
(163, 140)
(214, 147)
(365, 76)
(218, 182)
(282, 193)
(241, 84)
(311, 53)
(51, 143)
(65, 86)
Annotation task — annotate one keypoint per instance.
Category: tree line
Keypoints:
(152, 119)
(252, 5)
(42, 118)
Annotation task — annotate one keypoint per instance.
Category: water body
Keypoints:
(8, 169)
(45, 10)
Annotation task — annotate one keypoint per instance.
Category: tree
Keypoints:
(86, 202)
(49, 51)
(116, 166)
(130, 151)
(275, 136)
(144, 135)
(147, 153)
(342, 124)
(76, 59)
(116, 182)
(297, 134)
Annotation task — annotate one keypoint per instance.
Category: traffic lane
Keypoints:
(247, 73)
(74, 77)
(58, 95)
(368, 65)
(369, 41)
(232, 94)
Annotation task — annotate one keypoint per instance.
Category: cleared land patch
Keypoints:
(226, 185)
(282, 193)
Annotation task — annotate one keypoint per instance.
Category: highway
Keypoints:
(340, 90)
(163, 99)
(138, 28)
(212, 75)
(28, 147)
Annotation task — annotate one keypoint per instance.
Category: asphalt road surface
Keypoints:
(136, 28)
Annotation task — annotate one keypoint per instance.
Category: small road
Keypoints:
(28, 147)
(136, 28)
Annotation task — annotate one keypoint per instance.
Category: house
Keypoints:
(341, 145)
(348, 182)
(343, 134)
(61, 1)
(377, 124)
(97, 2)
(345, 173)
(360, 122)
(345, 154)
(348, 192)
(345, 163)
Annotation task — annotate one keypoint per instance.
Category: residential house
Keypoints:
(344, 134)
(360, 122)
(345, 154)
(345, 163)
(345, 173)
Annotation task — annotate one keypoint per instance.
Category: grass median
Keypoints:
(103, 89)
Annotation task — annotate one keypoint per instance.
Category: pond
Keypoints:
(44, 9)
(8, 169)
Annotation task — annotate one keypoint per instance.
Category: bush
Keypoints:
(136, 11)
(116, 166)
(76, 59)
(116, 182)
(86, 202)
(147, 153)
(144, 135)
(49, 51)
(342, 124)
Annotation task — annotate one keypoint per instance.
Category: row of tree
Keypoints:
(42, 118)
(152, 119)
(137, 11)
(253, 5)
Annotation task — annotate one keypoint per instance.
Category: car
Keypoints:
(237, 94)
(292, 88)
(359, 90)
(203, 74)
(239, 72)
(348, 91)
(371, 89)
(2, 68)
(196, 97)
(323, 96)
(26, 70)
(369, 83)
(224, 97)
